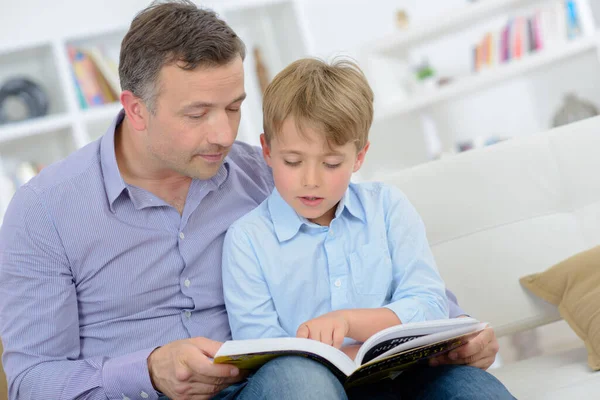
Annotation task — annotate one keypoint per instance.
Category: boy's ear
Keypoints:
(266, 150)
(135, 109)
(360, 157)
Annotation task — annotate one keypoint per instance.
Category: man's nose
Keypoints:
(224, 131)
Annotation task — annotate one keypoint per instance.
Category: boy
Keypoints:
(322, 258)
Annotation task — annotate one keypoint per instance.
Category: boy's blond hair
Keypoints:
(334, 99)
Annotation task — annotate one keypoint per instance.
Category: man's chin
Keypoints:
(202, 172)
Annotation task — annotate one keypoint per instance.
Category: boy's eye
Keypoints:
(291, 163)
(332, 166)
(234, 109)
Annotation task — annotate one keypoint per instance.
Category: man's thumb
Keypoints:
(207, 346)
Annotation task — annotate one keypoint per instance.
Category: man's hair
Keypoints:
(334, 99)
(169, 32)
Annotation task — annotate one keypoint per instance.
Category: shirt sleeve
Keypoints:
(418, 289)
(250, 308)
(39, 322)
(455, 310)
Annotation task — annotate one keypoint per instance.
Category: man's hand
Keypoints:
(330, 329)
(480, 352)
(182, 370)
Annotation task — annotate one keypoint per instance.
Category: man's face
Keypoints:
(196, 118)
(311, 176)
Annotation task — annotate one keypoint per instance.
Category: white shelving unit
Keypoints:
(496, 75)
(401, 109)
(275, 26)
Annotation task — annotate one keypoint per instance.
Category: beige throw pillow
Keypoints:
(574, 286)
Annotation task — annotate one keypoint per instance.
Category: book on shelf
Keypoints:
(96, 76)
(547, 26)
(385, 354)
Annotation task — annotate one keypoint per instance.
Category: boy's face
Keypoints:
(311, 176)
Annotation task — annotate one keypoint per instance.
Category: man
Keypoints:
(110, 260)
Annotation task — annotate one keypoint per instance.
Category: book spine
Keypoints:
(85, 73)
(537, 33)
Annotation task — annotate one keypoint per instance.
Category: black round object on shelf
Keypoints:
(26, 92)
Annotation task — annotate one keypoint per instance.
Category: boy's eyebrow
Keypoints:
(299, 153)
(204, 104)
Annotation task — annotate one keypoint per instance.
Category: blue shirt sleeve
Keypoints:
(419, 293)
(40, 322)
(250, 308)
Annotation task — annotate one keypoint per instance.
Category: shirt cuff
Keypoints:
(411, 310)
(128, 377)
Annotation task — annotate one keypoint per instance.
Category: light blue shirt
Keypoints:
(280, 270)
(96, 273)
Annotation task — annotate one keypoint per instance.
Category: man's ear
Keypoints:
(266, 150)
(136, 111)
(360, 157)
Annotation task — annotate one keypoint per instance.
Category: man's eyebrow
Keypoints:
(204, 104)
(239, 98)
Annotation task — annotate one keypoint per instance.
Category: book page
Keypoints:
(251, 354)
(433, 338)
(389, 338)
(385, 366)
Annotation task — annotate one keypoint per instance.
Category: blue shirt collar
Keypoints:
(287, 222)
(113, 181)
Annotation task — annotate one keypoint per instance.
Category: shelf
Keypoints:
(487, 78)
(42, 150)
(445, 23)
(36, 63)
(37, 126)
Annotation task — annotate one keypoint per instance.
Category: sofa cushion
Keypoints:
(574, 286)
(557, 376)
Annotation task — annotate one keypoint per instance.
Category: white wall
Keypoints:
(334, 27)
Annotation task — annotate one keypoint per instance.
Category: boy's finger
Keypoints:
(303, 331)
(338, 338)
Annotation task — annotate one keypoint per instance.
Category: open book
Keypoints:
(384, 354)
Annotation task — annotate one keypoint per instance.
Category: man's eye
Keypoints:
(196, 116)
(234, 110)
(291, 163)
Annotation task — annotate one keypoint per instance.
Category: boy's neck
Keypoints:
(325, 219)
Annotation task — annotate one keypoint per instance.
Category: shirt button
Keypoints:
(338, 283)
(187, 283)
(330, 232)
(181, 235)
(187, 314)
(125, 397)
(144, 395)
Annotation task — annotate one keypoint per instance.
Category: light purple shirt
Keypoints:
(96, 273)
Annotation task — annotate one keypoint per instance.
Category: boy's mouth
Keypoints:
(311, 201)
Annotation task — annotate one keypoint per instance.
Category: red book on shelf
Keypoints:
(518, 38)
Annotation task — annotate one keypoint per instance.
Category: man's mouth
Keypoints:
(212, 157)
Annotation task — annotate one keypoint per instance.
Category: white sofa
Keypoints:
(512, 209)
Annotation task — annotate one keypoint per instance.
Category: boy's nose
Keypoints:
(310, 178)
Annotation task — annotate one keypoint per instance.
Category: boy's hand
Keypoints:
(330, 329)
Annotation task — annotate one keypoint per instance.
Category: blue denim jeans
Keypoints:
(298, 378)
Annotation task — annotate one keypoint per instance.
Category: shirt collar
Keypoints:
(287, 222)
(113, 181)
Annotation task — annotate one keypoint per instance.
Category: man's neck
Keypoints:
(139, 170)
